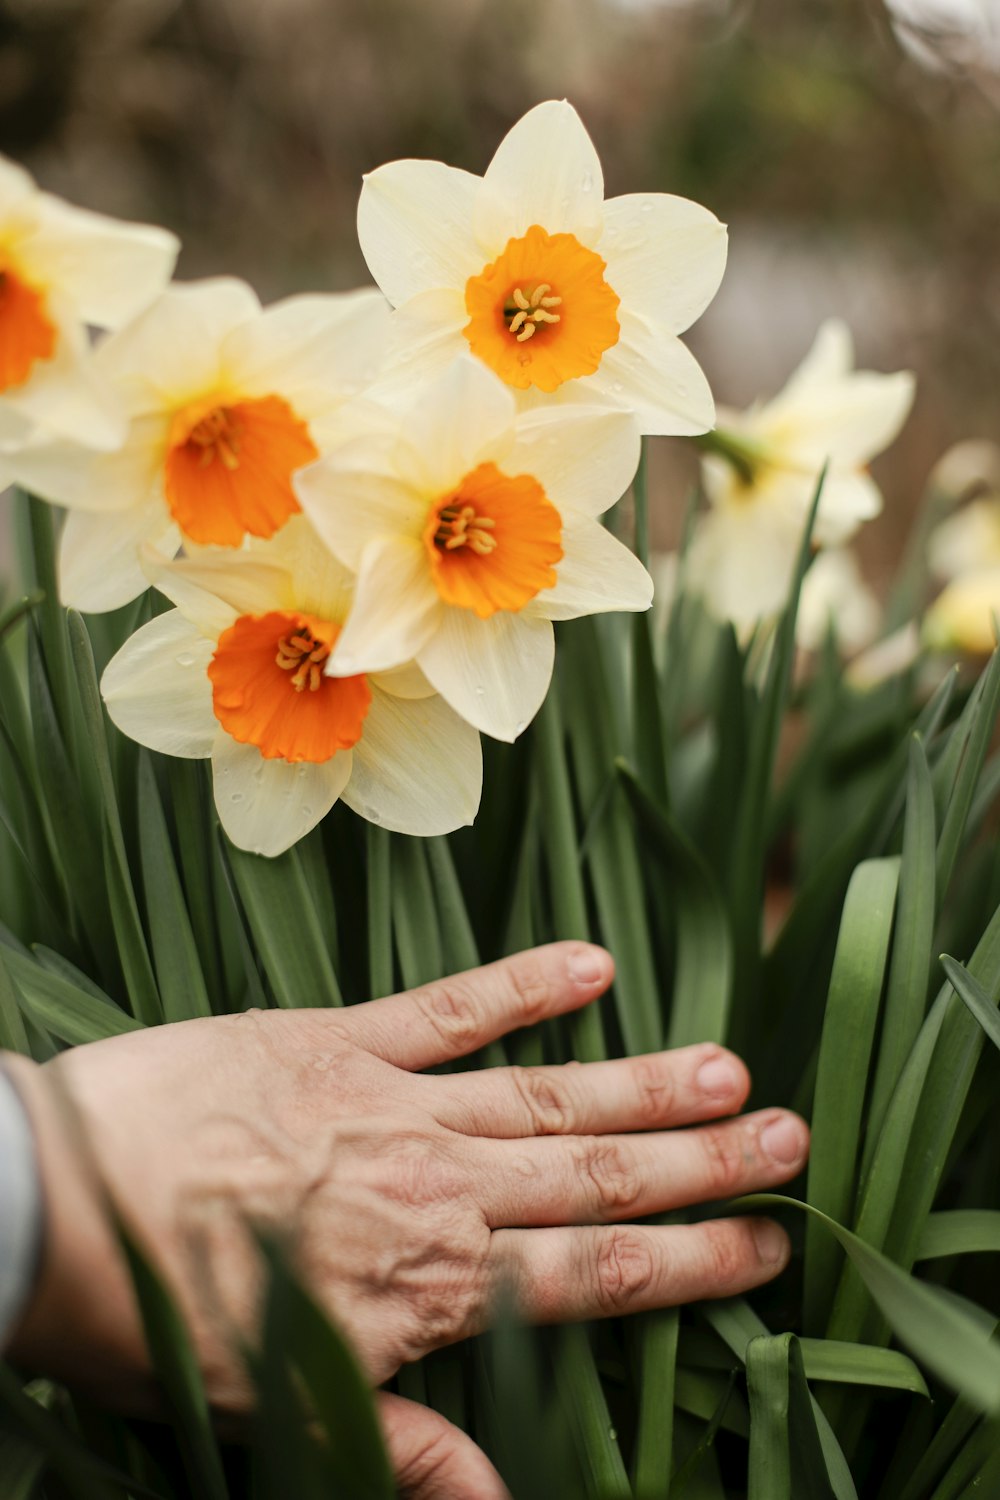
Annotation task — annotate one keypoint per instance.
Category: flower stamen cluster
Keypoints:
(526, 312)
(461, 526)
(304, 656)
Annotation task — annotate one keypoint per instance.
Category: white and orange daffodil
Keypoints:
(562, 294)
(235, 673)
(743, 552)
(471, 528)
(62, 268)
(225, 400)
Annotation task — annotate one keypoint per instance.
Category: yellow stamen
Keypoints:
(304, 656)
(218, 436)
(526, 312)
(462, 526)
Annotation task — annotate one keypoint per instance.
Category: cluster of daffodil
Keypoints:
(367, 508)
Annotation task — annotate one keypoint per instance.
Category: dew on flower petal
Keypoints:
(646, 206)
(307, 811)
(519, 727)
(236, 796)
(480, 691)
(586, 182)
(186, 659)
(617, 387)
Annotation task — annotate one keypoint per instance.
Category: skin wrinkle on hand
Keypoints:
(411, 1200)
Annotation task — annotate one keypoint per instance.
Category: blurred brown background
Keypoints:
(857, 163)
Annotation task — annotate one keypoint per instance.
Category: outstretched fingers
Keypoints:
(651, 1092)
(452, 1017)
(565, 1275)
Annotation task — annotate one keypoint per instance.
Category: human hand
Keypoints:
(413, 1200)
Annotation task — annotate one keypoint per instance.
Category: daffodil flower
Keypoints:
(561, 294)
(61, 268)
(965, 616)
(968, 540)
(471, 528)
(760, 485)
(235, 673)
(225, 401)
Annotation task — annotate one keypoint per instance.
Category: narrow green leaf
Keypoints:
(861, 1364)
(703, 974)
(67, 1011)
(912, 948)
(594, 1434)
(13, 1036)
(140, 983)
(976, 743)
(179, 978)
(979, 1004)
(380, 972)
(414, 914)
(849, 1022)
(960, 1231)
(786, 1456)
(654, 1442)
(285, 926)
(83, 1476)
(942, 1335)
(458, 944)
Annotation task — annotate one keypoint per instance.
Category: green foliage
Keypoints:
(641, 809)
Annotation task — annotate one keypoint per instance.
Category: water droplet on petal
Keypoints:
(519, 727)
(647, 206)
(617, 387)
(480, 691)
(186, 659)
(236, 797)
(586, 182)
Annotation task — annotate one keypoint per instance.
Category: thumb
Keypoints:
(432, 1459)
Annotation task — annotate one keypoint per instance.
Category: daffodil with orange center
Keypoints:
(235, 673)
(564, 295)
(471, 526)
(225, 402)
(62, 268)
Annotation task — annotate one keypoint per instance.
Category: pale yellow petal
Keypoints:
(415, 227)
(266, 806)
(157, 689)
(417, 768)
(546, 171)
(494, 673)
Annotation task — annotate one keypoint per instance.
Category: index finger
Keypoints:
(449, 1018)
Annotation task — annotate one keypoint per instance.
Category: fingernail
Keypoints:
(782, 1140)
(771, 1241)
(585, 966)
(717, 1078)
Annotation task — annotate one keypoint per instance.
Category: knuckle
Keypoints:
(530, 991)
(419, 1173)
(422, 1469)
(547, 1099)
(655, 1091)
(449, 1010)
(725, 1159)
(729, 1252)
(623, 1269)
(608, 1174)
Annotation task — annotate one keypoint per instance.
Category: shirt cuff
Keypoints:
(20, 1207)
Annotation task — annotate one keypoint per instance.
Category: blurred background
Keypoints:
(853, 146)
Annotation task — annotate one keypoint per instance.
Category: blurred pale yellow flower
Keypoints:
(965, 614)
(744, 549)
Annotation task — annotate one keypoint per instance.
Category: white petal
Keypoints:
(316, 581)
(968, 539)
(396, 608)
(157, 688)
(403, 682)
(742, 562)
(415, 227)
(665, 256)
(848, 420)
(596, 574)
(831, 356)
(265, 806)
(99, 566)
(67, 474)
(110, 270)
(847, 501)
(310, 349)
(545, 171)
(418, 767)
(653, 374)
(425, 337)
(67, 395)
(584, 457)
(218, 584)
(174, 347)
(463, 417)
(835, 597)
(16, 187)
(494, 672)
(350, 505)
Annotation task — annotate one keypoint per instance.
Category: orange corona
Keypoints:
(229, 467)
(542, 312)
(269, 688)
(493, 542)
(26, 333)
